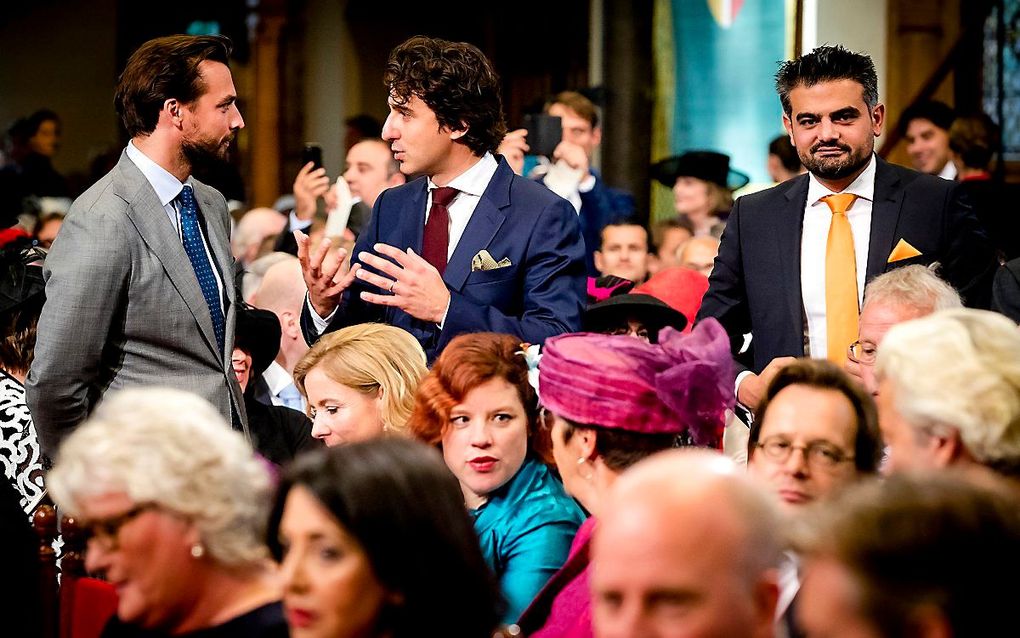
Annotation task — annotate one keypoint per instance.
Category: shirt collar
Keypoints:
(474, 180)
(167, 186)
(863, 187)
(276, 377)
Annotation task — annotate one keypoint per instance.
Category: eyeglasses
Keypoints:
(105, 531)
(819, 454)
(862, 352)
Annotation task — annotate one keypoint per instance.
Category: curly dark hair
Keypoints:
(827, 64)
(456, 81)
(162, 69)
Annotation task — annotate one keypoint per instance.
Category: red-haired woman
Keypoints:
(477, 405)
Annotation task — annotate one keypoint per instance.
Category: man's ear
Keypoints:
(788, 125)
(877, 119)
(599, 262)
(461, 131)
(173, 107)
(290, 323)
(596, 136)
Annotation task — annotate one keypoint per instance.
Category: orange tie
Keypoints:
(841, 310)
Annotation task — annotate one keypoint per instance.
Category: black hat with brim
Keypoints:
(615, 311)
(706, 165)
(258, 334)
(21, 280)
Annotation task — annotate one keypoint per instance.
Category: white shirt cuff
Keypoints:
(445, 312)
(321, 323)
(297, 223)
(736, 386)
(586, 184)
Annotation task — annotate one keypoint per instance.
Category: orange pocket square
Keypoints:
(903, 250)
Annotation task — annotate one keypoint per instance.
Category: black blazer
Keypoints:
(755, 284)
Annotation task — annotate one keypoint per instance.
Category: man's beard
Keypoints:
(835, 167)
(205, 153)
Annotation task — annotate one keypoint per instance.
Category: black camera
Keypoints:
(313, 154)
(544, 133)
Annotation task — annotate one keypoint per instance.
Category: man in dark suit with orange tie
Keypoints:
(467, 247)
(795, 258)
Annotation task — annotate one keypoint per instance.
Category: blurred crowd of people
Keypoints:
(462, 389)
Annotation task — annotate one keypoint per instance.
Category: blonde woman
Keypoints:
(360, 382)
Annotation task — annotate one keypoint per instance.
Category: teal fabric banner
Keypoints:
(726, 56)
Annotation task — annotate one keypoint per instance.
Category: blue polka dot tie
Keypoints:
(191, 234)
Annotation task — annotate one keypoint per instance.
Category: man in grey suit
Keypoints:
(138, 285)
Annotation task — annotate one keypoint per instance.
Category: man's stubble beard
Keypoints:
(837, 167)
(201, 154)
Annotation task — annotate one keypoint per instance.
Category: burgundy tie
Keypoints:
(436, 242)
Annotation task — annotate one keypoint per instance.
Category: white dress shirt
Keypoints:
(277, 379)
(167, 189)
(813, 239)
(471, 184)
(948, 171)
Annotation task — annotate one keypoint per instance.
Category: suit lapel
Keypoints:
(150, 219)
(789, 228)
(885, 214)
(485, 222)
(414, 208)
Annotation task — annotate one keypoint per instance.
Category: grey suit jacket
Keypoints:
(124, 308)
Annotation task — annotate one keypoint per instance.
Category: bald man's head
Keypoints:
(686, 545)
(253, 229)
(282, 288)
(282, 291)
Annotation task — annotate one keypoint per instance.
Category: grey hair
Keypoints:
(172, 448)
(959, 370)
(915, 287)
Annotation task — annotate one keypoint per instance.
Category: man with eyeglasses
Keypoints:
(894, 297)
(815, 431)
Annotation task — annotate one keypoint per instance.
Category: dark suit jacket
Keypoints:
(599, 206)
(538, 296)
(1006, 290)
(755, 284)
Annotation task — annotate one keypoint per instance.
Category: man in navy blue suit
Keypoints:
(467, 247)
(773, 271)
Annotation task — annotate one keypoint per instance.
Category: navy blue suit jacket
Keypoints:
(600, 206)
(755, 284)
(539, 295)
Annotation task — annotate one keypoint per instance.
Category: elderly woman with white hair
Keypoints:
(949, 392)
(175, 504)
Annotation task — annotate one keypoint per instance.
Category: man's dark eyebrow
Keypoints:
(227, 101)
(845, 111)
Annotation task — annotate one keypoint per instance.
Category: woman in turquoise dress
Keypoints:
(477, 405)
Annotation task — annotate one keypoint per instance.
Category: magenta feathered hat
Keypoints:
(683, 383)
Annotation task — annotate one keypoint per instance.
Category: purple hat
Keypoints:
(683, 383)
